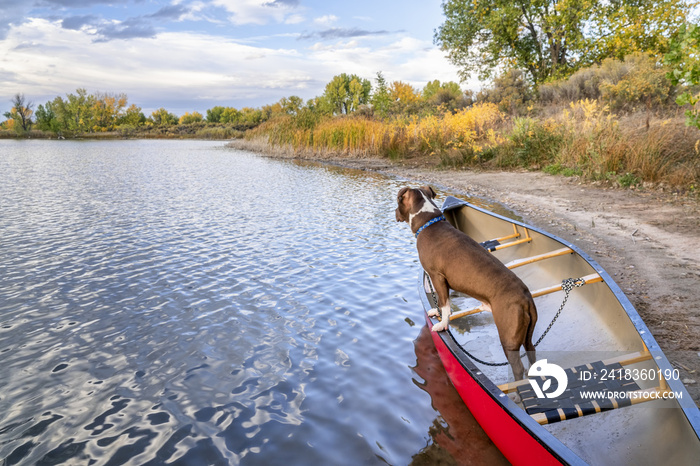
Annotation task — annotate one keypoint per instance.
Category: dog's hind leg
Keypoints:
(513, 355)
(529, 347)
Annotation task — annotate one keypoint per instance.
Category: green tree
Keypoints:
(553, 38)
(46, 118)
(447, 96)
(214, 114)
(291, 105)
(381, 100)
(78, 108)
(21, 113)
(345, 93)
(434, 87)
(684, 59)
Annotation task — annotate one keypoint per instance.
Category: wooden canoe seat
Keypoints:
(572, 403)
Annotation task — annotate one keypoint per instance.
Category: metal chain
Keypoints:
(566, 285)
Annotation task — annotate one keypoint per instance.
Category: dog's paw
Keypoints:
(440, 327)
(433, 312)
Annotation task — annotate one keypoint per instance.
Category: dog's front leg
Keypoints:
(445, 312)
(444, 307)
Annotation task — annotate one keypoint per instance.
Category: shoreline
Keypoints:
(646, 240)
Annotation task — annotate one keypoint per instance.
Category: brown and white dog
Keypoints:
(455, 261)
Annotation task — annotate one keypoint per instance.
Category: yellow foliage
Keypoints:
(468, 131)
(403, 92)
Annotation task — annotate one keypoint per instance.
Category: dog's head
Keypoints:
(414, 203)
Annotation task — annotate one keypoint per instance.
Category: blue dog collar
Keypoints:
(434, 220)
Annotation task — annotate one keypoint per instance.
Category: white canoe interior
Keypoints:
(594, 326)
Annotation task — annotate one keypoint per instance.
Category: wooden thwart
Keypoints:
(529, 260)
(496, 243)
(592, 278)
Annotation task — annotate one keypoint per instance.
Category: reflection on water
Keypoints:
(177, 302)
(455, 431)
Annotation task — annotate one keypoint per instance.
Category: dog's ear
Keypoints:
(400, 217)
(401, 193)
(428, 191)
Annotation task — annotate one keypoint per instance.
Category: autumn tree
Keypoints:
(105, 110)
(21, 112)
(230, 115)
(162, 117)
(132, 116)
(189, 118)
(403, 92)
(553, 38)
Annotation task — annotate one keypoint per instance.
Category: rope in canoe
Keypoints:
(566, 285)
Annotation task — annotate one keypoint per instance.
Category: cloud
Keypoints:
(103, 30)
(13, 13)
(172, 12)
(186, 71)
(341, 33)
(74, 3)
(282, 3)
(76, 23)
(259, 11)
(130, 28)
(198, 69)
(326, 20)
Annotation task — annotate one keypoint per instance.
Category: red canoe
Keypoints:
(606, 393)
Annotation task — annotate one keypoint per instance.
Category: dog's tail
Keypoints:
(529, 347)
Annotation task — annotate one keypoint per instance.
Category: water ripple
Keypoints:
(176, 302)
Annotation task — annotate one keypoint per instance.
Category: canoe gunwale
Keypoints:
(527, 423)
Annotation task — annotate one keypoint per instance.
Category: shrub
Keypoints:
(534, 143)
(637, 81)
(510, 92)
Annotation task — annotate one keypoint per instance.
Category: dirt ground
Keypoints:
(648, 240)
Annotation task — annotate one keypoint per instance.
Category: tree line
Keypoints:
(85, 113)
(526, 49)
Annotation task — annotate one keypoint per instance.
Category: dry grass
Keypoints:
(583, 138)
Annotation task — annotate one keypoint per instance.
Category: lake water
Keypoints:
(179, 302)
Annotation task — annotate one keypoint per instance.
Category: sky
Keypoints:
(192, 55)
